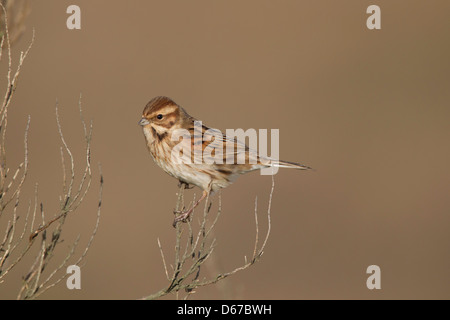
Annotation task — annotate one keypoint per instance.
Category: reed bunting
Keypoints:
(164, 122)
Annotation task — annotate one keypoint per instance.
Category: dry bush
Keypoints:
(38, 229)
(194, 247)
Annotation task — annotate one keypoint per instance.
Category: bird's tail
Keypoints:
(288, 164)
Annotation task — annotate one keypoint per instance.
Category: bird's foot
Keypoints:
(182, 216)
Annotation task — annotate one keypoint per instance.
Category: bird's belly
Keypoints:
(189, 173)
(202, 175)
(192, 175)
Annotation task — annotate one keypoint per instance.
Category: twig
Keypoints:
(163, 260)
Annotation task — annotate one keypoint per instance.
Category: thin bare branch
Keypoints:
(66, 148)
(163, 259)
(97, 223)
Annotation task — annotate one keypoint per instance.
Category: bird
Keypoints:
(164, 123)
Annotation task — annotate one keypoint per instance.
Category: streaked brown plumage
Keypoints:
(162, 117)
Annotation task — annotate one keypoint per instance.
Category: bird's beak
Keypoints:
(143, 122)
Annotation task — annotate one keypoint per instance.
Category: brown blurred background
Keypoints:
(369, 110)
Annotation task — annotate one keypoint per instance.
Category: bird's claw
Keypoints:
(182, 216)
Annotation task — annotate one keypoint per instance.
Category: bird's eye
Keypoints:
(159, 116)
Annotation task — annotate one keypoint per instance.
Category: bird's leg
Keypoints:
(184, 215)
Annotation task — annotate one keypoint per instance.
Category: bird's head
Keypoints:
(160, 116)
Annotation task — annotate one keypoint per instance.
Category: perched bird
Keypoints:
(165, 123)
